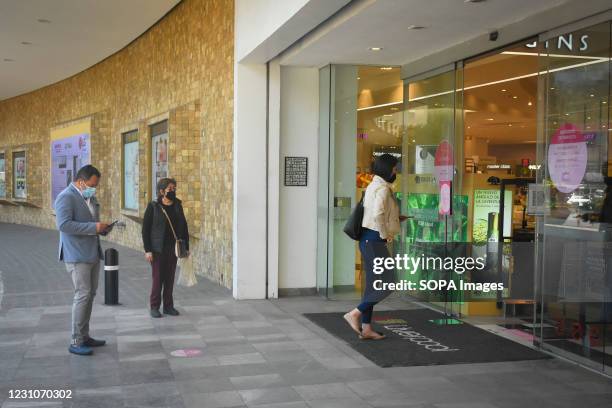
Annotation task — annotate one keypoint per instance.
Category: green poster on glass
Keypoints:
(428, 226)
(425, 237)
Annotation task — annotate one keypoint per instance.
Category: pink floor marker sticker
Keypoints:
(186, 353)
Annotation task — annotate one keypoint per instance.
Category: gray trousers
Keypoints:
(85, 282)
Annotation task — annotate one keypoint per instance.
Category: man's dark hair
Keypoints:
(86, 172)
(163, 183)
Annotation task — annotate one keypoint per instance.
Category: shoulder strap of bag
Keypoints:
(169, 222)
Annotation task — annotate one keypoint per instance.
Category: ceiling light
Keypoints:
(358, 78)
(514, 97)
(510, 124)
(604, 102)
(415, 27)
(592, 96)
(529, 103)
(43, 20)
(386, 68)
(503, 90)
(375, 48)
(490, 119)
(588, 117)
(552, 88)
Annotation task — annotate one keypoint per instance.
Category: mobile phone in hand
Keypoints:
(109, 228)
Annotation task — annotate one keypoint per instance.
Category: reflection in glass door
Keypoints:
(575, 249)
(433, 115)
(360, 118)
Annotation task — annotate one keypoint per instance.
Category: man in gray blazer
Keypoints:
(78, 220)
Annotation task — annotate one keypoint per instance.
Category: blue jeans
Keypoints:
(368, 301)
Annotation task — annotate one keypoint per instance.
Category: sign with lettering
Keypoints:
(296, 171)
(567, 157)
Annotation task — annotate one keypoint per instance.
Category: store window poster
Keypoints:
(424, 160)
(486, 211)
(2, 176)
(68, 155)
(160, 159)
(19, 171)
(130, 175)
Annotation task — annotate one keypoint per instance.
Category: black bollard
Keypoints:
(111, 277)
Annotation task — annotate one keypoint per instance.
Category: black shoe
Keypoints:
(155, 313)
(89, 342)
(171, 311)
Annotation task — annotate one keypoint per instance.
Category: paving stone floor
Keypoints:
(255, 353)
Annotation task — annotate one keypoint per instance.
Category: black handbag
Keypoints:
(180, 247)
(353, 228)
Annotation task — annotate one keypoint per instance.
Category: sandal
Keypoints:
(378, 336)
(354, 323)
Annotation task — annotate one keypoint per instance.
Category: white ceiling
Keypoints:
(80, 34)
(385, 23)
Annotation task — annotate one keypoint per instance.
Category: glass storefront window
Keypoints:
(576, 253)
(529, 131)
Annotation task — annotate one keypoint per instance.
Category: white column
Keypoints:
(249, 218)
(299, 122)
(275, 164)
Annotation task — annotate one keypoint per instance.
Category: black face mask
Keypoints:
(171, 195)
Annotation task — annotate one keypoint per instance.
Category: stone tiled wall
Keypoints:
(180, 70)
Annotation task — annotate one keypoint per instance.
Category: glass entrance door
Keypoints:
(360, 118)
(574, 244)
(431, 186)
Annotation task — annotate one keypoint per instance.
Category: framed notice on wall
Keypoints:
(2, 176)
(19, 175)
(68, 155)
(70, 150)
(130, 170)
(159, 154)
(296, 171)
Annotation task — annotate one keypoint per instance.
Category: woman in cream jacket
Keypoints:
(381, 223)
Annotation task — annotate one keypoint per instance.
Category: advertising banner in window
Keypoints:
(130, 173)
(2, 176)
(160, 159)
(68, 155)
(19, 175)
(486, 212)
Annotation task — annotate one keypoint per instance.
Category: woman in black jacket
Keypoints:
(159, 243)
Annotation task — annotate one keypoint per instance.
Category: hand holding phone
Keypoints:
(109, 228)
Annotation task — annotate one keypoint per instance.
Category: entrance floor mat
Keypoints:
(416, 338)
